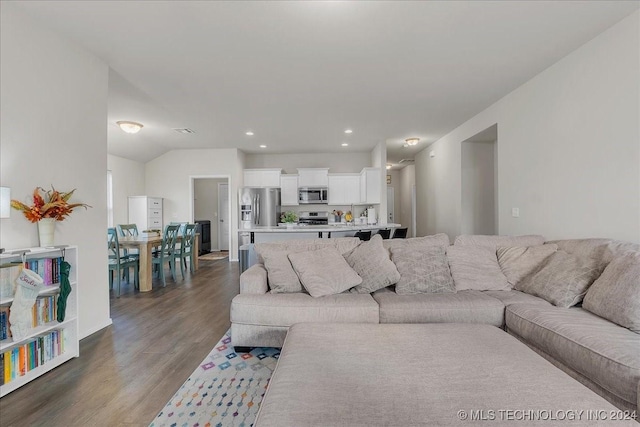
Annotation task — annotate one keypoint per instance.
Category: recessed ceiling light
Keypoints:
(388, 166)
(263, 146)
(130, 127)
(348, 131)
(249, 133)
(344, 144)
(412, 141)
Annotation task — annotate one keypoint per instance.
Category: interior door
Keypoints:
(390, 203)
(223, 217)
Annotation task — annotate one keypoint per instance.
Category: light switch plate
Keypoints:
(515, 212)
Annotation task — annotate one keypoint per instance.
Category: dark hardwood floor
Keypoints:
(127, 372)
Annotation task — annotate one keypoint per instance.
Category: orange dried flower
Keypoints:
(55, 206)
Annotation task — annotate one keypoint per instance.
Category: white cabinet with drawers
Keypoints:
(145, 212)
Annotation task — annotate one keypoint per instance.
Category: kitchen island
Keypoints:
(260, 234)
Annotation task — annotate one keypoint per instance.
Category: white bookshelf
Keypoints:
(71, 342)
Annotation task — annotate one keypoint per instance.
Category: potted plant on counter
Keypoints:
(289, 218)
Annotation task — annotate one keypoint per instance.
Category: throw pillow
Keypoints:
(615, 295)
(477, 268)
(562, 280)
(518, 262)
(422, 270)
(371, 261)
(494, 242)
(324, 272)
(281, 276)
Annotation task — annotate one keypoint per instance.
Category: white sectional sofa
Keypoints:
(600, 353)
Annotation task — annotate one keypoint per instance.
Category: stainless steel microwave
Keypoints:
(313, 195)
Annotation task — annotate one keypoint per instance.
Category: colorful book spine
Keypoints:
(20, 360)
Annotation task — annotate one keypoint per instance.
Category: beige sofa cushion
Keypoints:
(371, 261)
(422, 269)
(440, 239)
(604, 250)
(518, 262)
(281, 276)
(493, 242)
(615, 295)
(516, 297)
(476, 267)
(342, 244)
(460, 307)
(283, 310)
(563, 280)
(324, 271)
(592, 346)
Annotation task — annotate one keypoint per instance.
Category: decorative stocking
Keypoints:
(21, 318)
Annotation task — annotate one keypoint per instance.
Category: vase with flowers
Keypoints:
(48, 208)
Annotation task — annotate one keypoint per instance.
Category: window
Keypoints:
(109, 198)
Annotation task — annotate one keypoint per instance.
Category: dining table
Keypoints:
(145, 244)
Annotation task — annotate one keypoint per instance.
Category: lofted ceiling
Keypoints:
(298, 74)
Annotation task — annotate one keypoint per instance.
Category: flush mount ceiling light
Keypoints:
(412, 141)
(130, 127)
(348, 131)
(248, 133)
(344, 144)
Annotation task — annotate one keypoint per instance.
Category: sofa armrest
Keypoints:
(254, 280)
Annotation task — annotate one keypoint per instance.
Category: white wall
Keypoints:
(568, 148)
(478, 188)
(128, 180)
(53, 110)
(170, 175)
(407, 181)
(379, 160)
(337, 162)
(205, 203)
(397, 195)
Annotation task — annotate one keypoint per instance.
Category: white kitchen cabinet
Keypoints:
(370, 185)
(262, 177)
(344, 189)
(289, 190)
(145, 212)
(313, 177)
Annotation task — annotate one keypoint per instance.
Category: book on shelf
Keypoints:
(19, 360)
(48, 268)
(8, 275)
(5, 324)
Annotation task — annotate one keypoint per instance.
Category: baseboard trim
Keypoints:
(98, 328)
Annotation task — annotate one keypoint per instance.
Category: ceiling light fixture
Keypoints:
(249, 133)
(389, 166)
(130, 127)
(263, 146)
(412, 141)
(344, 144)
(348, 131)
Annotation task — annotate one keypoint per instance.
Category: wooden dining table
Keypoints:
(145, 245)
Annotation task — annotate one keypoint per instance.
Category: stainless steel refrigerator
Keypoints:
(259, 207)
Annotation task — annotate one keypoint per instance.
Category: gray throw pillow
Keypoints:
(324, 272)
(371, 261)
(280, 274)
(562, 280)
(422, 270)
(518, 262)
(476, 268)
(615, 295)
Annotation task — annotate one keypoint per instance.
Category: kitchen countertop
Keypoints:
(317, 228)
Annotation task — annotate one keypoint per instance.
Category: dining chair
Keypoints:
(167, 252)
(119, 262)
(363, 235)
(384, 233)
(400, 233)
(186, 247)
(128, 230)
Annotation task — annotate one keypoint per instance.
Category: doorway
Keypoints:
(479, 183)
(390, 205)
(211, 208)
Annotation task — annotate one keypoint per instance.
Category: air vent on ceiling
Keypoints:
(183, 130)
(406, 161)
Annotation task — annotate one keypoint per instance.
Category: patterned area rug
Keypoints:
(212, 256)
(225, 390)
